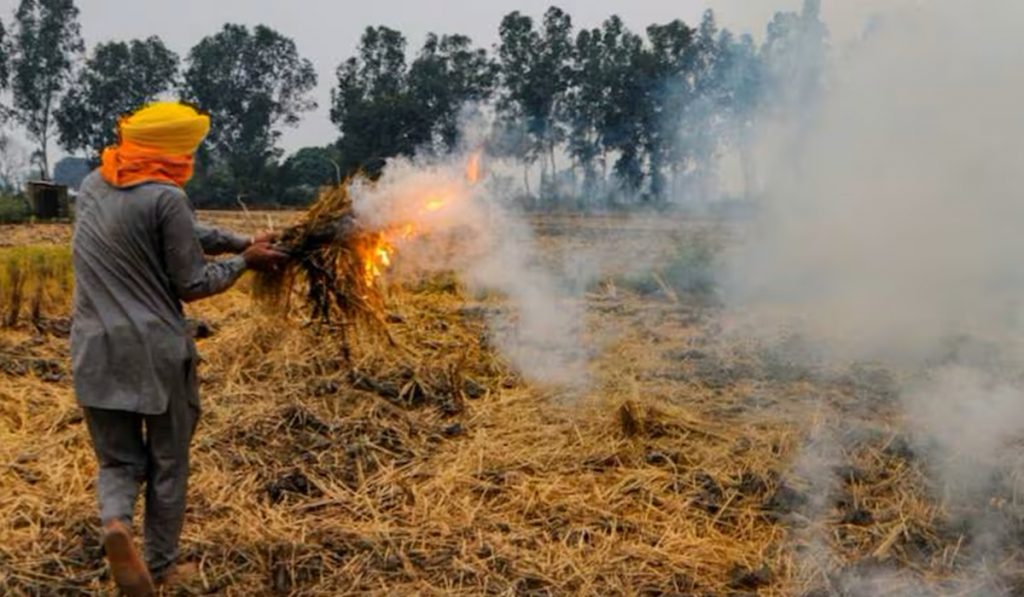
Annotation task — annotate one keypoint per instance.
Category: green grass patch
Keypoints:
(14, 210)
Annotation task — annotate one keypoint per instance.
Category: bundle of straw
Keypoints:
(328, 252)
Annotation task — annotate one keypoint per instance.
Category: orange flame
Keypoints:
(377, 256)
(376, 259)
(473, 168)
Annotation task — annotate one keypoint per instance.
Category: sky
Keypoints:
(327, 31)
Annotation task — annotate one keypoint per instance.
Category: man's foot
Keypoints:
(126, 566)
(177, 575)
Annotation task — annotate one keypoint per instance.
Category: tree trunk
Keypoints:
(44, 137)
(526, 178)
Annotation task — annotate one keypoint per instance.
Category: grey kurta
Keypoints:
(138, 253)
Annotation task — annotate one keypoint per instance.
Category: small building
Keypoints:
(49, 200)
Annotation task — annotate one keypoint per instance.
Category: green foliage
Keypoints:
(5, 63)
(446, 75)
(14, 210)
(535, 75)
(643, 116)
(118, 78)
(385, 108)
(664, 106)
(305, 172)
(45, 42)
(252, 83)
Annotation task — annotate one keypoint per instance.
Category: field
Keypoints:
(435, 468)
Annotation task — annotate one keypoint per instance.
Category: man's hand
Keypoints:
(267, 237)
(262, 257)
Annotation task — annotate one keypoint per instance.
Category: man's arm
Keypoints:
(217, 242)
(191, 276)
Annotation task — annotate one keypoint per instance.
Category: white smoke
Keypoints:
(900, 227)
(893, 234)
(445, 220)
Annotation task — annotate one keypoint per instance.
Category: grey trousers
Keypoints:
(134, 449)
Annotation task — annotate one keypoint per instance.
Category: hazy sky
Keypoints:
(328, 31)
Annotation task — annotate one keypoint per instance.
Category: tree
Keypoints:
(742, 86)
(45, 42)
(795, 53)
(448, 74)
(622, 113)
(305, 171)
(118, 78)
(668, 74)
(252, 83)
(536, 71)
(5, 66)
(371, 106)
(584, 102)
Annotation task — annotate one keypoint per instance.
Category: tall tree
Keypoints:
(252, 83)
(741, 73)
(700, 122)
(448, 74)
(45, 42)
(795, 52)
(116, 79)
(553, 76)
(586, 98)
(622, 113)
(536, 70)
(668, 77)
(371, 105)
(5, 65)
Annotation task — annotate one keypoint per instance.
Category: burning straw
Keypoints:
(339, 263)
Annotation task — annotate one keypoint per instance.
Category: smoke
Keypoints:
(892, 231)
(846, 19)
(897, 224)
(442, 216)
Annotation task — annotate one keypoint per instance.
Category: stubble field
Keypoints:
(679, 467)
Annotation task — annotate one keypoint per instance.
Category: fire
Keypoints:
(378, 255)
(377, 259)
(473, 168)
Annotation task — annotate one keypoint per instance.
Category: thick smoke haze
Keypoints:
(897, 221)
(892, 230)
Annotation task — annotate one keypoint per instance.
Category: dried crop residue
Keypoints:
(436, 469)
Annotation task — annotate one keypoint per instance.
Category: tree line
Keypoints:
(591, 116)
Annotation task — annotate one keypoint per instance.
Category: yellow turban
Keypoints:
(169, 127)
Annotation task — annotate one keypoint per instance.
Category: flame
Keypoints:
(378, 254)
(377, 258)
(473, 168)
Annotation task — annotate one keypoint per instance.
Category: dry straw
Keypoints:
(438, 470)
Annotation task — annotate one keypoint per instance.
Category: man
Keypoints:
(138, 254)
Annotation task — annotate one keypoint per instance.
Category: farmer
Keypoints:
(138, 254)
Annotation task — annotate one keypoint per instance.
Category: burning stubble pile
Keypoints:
(435, 468)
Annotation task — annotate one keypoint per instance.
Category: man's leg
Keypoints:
(167, 437)
(121, 453)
